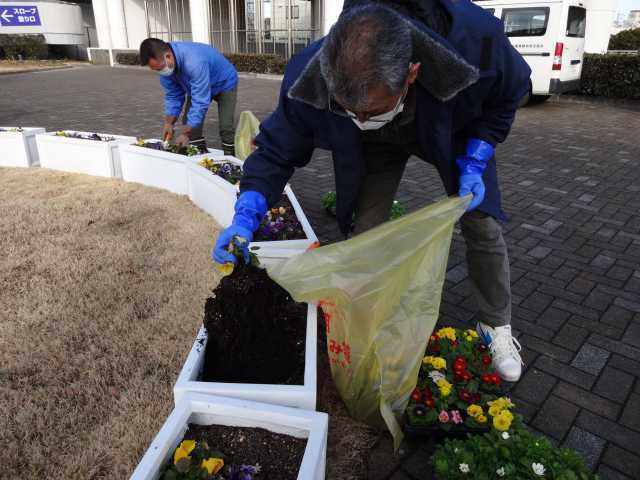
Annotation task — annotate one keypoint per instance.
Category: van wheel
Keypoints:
(537, 99)
(527, 98)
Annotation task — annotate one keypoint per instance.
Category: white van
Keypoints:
(549, 34)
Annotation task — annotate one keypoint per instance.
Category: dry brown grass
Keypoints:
(102, 287)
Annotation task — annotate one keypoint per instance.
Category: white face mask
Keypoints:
(166, 71)
(378, 121)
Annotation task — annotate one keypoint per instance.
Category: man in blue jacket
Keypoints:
(192, 75)
(436, 79)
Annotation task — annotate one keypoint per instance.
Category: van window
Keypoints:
(577, 22)
(525, 22)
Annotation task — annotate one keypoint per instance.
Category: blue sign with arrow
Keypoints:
(19, 16)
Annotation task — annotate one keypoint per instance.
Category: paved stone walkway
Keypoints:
(570, 174)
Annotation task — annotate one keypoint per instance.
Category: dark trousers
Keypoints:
(487, 258)
(226, 118)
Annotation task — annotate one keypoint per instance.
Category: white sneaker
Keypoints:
(504, 350)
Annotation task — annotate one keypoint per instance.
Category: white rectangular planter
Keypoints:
(18, 149)
(157, 168)
(210, 192)
(284, 248)
(212, 410)
(77, 155)
(300, 396)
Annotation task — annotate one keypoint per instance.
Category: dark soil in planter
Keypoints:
(256, 331)
(226, 170)
(187, 151)
(93, 136)
(278, 455)
(281, 226)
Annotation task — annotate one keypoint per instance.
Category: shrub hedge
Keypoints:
(615, 76)
(128, 58)
(625, 40)
(243, 62)
(32, 47)
(257, 63)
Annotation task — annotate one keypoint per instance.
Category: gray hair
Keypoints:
(368, 45)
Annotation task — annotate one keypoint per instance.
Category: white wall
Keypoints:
(332, 10)
(600, 17)
(62, 23)
(136, 25)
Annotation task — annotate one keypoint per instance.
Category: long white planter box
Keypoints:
(210, 192)
(212, 410)
(284, 248)
(157, 168)
(300, 396)
(77, 155)
(18, 149)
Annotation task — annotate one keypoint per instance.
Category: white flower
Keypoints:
(500, 472)
(505, 435)
(464, 468)
(538, 469)
(436, 376)
(455, 450)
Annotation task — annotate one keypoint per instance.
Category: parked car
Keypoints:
(549, 34)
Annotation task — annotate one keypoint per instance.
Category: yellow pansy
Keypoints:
(439, 363)
(471, 333)
(447, 332)
(501, 422)
(226, 268)
(494, 410)
(183, 451)
(501, 403)
(212, 465)
(474, 410)
(445, 387)
(507, 414)
(481, 419)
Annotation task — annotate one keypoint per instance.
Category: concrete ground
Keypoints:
(570, 175)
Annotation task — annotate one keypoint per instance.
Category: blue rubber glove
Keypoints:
(471, 167)
(250, 209)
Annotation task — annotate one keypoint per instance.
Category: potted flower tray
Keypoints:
(300, 396)
(18, 147)
(157, 167)
(213, 185)
(81, 152)
(236, 439)
(268, 242)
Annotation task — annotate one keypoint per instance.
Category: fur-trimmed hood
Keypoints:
(443, 72)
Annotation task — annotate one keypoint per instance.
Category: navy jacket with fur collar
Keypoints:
(470, 85)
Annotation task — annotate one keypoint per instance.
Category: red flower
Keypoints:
(466, 376)
(459, 376)
(435, 348)
(465, 395)
(430, 403)
(415, 395)
(486, 378)
(426, 395)
(454, 344)
(486, 359)
(495, 378)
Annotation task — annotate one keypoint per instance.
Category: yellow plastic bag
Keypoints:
(380, 292)
(246, 131)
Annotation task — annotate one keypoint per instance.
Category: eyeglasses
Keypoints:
(337, 109)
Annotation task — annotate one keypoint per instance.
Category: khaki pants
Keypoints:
(226, 118)
(487, 258)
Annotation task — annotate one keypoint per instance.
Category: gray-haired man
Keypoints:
(433, 78)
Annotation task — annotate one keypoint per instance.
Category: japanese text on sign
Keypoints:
(19, 16)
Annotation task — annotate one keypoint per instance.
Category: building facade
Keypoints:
(282, 27)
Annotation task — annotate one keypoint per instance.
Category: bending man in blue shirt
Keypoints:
(192, 75)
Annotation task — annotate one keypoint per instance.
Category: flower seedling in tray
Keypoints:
(217, 452)
(85, 136)
(226, 170)
(458, 390)
(189, 150)
(256, 331)
(280, 223)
